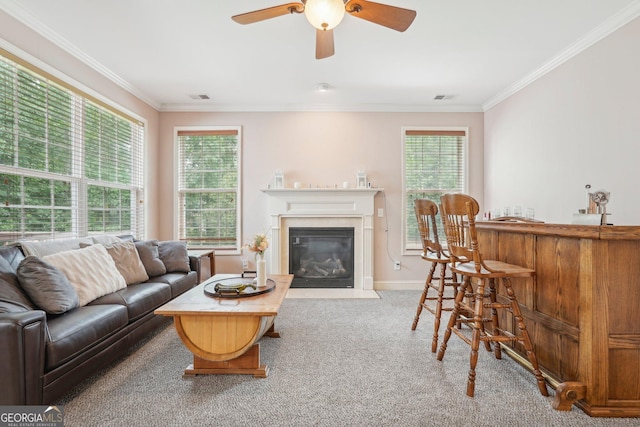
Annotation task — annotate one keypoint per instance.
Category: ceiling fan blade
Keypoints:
(324, 43)
(268, 13)
(393, 17)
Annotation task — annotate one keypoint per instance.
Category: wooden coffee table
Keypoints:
(222, 333)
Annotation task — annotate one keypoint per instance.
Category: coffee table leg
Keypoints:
(271, 332)
(247, 364)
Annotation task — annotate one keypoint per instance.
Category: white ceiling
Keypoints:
(473, 51)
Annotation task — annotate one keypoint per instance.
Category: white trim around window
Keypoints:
(422, 178)
(214, 236)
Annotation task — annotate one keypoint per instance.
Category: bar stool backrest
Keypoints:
(426, 212)
(458, 213)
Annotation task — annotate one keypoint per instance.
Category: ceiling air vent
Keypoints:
(441, 97)
(199, 96)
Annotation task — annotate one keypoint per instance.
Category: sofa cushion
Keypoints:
(128, 262)
(10, 288)
(105, 239)
(139, 298)
(47, 287)
(179, 282)
(90, 270)
(13, 255)
(77, 330)
(174, 256)
(43, 248)
(148, 251)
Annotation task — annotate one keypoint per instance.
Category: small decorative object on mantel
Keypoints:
(278, 180)
(259, 245)
(361, 179)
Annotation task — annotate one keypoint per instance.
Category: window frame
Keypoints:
(177, 211)
(416, 249)
(79, 97)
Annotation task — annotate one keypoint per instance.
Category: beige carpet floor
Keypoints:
(339, 362)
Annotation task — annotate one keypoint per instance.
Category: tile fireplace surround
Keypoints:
(324, 207)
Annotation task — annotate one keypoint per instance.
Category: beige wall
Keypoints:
(577, 125)
(322, 148)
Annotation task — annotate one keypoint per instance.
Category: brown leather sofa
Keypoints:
(43, 356)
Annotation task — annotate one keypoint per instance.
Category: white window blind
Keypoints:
(434, 163)
(70, 166)
(209, 188)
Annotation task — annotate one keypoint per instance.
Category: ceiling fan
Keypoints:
(325, 15)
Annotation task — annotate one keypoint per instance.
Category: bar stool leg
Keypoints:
(479, 295)
(453, 320)
(438, 313)
(526, 340)
(423, 297)
(497, 349)
(478, 329)
(456, 286)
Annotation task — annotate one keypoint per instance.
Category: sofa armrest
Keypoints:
(22, 346)
(194, 263)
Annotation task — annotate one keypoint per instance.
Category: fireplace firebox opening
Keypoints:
(321, 257)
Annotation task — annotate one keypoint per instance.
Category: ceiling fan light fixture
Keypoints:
(324, 14)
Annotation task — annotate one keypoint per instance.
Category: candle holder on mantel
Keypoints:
(278, 180)
(361, 179)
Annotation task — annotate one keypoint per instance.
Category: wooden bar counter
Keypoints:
(582, 308)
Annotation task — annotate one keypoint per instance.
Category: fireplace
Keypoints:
(321, 257)
(323, 208)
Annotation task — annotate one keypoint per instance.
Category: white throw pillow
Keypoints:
(90, 270)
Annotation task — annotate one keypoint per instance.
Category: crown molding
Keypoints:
(360, 108)
(17, 12)
(612, 24)
(618, 20)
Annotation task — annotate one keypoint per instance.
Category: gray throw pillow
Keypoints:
(174, 256)
(10, 289)
(148, 251)
(48, 288)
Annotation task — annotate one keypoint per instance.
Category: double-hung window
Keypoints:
(434, 163)
(209, 183)
(70, 164)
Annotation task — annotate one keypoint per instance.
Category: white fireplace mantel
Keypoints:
(323, 207)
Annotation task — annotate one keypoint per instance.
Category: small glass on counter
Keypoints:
(529, 213)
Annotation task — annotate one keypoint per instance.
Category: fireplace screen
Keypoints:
(321, 257)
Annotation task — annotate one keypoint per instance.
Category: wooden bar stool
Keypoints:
(479, 279)
(432, 251)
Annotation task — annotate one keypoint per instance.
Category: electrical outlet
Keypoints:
(380, 212)
(245, 264)
(396, 265)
